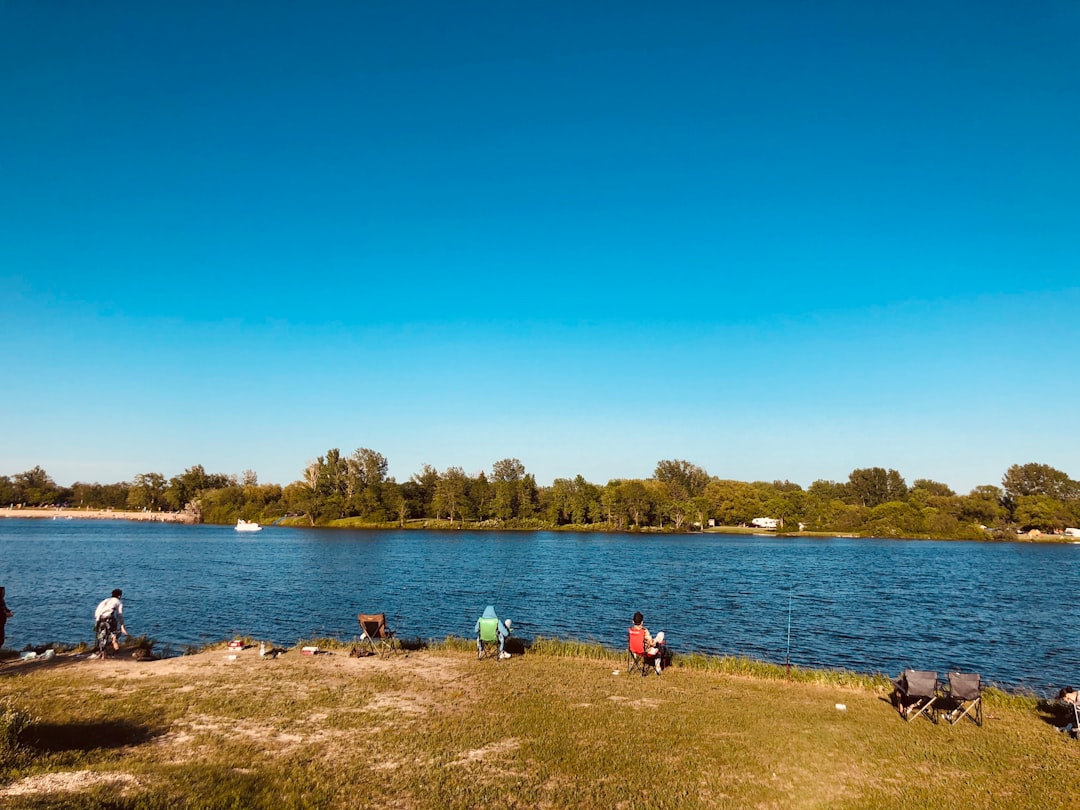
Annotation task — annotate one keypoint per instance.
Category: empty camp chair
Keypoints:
(637, 658)
(962, 697)
(915, 692)
(375, 636)
(489, 638)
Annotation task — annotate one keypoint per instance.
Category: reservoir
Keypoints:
(1006, 610)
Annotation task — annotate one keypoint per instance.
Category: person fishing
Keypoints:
(109, 621)
(502, 632)
(654, 645)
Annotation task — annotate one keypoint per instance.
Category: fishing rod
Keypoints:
(787, 657)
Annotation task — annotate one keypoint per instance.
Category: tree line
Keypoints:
(355, 489)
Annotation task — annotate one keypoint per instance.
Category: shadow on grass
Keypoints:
(1054, 713)
(11, 664)
(87, 736)
(45, 657)
(514, 645)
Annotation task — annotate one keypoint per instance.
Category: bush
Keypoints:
(13, 722)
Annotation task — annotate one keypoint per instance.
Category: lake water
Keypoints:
(1009, 610)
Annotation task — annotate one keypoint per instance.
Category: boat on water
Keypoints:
(247, 526)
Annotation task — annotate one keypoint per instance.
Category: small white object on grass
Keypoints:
(840, 707)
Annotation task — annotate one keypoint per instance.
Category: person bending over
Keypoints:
(109, 617)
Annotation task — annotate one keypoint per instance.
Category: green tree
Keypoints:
(557, 501)
(481, 496)
(366, 468)
(828, 491)
(574, 502)
(895, 519)
(627, 502)
(1038, 479)
(395, 500)
(506, 481)
(734, 502)
(35, 487)
(682, 479)
(983, 506)
(334, 475)
(147, 491)
(702, 511)
(874, 486)
(616, 513)
(1041, 512)
(185, 488)
(421, 493)
(678, 511)
(99, 496)
(783, 500)
(585, 506)
(8, 492)
(450, 493)
(932, 488)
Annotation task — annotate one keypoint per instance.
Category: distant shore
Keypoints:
(95, 514)
(56, 513)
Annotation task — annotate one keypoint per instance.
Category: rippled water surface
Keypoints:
(1006, 610)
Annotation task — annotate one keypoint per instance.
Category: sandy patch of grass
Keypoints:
(487, 752)
(69, 782)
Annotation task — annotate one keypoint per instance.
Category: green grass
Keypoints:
(553, 728)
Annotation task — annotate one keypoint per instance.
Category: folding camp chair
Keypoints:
(915, 692)
(637, 657)
(963, 697)
(489, 638)
(375, 636)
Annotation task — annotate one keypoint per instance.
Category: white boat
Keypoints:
(245, 526)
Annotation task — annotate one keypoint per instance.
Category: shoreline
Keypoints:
(45, 513)
(186, 518)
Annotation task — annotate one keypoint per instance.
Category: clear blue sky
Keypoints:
(777, 239)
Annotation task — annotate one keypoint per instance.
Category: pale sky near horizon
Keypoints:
(779, 240)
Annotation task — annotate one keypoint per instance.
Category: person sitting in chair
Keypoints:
(502, 631)
(654, 647)
(1071, 696)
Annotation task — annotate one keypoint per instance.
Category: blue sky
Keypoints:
(778, 239)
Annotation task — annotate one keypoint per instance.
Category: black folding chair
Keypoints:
(962, 697)
(915, 693)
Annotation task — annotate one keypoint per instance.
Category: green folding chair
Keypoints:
(489, 639)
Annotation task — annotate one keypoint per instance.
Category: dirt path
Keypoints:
(418, 664)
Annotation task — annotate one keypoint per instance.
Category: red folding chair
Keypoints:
(637, 657)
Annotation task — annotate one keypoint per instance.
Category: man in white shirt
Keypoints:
(110, 613)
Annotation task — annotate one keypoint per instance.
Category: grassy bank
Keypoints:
(552, 728)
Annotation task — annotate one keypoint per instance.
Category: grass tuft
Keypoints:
(13, 724)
